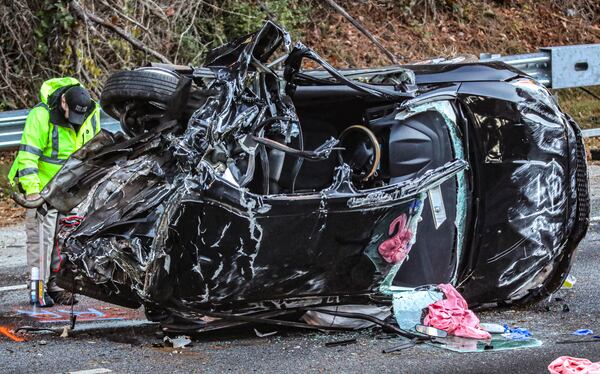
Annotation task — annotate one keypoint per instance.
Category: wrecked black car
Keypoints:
(238, 188)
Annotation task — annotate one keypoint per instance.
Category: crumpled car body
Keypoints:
(258, 200)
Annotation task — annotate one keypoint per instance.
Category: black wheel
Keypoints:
(127, 95)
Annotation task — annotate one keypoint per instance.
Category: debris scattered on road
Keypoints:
(497, 343)
(569, 365)
(431, 331)
(9, 334)
(399, 347)
(517, 333)
(340, 342)
(264, 334)
(569, 282)
(65, 332)
(493, 328)
(452, 314)
(177, 342)
(583, 332)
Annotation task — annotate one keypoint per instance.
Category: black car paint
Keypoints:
(161, 239)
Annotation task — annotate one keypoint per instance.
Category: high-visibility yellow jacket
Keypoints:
(46, 146)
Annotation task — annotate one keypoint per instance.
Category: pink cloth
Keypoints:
(572, 365)
(452, 315)
(396, 248)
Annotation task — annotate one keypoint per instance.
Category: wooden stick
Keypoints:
(362, 29)
(136, 43)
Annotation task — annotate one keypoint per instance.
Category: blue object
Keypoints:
(583, 332)
(517, 333)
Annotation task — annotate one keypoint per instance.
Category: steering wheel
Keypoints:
(361, 151)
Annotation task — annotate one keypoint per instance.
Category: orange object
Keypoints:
(5, 331)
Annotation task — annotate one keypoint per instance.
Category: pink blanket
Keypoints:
(452, 315)
(572, 365)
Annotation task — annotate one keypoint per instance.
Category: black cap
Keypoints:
(79, 101)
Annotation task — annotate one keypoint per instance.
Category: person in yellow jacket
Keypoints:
(64, 120)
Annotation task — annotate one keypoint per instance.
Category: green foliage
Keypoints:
(234, 18)
(293, 15)
(54, 18)
(582, 106)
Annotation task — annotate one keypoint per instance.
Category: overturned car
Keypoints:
(238, 189)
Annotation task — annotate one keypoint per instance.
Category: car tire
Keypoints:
(150, 87)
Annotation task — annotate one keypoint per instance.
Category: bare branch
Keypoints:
(130, 19)
(81, 13)
(362, 29)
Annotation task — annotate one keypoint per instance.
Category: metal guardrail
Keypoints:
(555, 67)
(13, 122)
(558, 67)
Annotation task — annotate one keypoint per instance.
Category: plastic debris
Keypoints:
(517, 333)
(493, 328)
(572, 365)
(264, 334)
(178, 342)
(569, 282)
(65, 332)
(431, 331)
(452, 314)
(583, 332)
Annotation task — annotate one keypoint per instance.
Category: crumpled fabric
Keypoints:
(572, 365)
(396, 248)
(452, 314)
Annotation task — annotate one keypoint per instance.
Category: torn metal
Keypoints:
(243, 192)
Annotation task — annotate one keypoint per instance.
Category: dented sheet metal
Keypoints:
(248, 204)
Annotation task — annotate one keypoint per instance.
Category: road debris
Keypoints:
(9, 334)
(583, 332)
(399, 347)
(569, 282)
(493, 328)
(177, 342)
(452, 314)
(516, 333)
(338, 343)
(264, 334)
(573, 365)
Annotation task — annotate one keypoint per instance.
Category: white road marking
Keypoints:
(13, 288)
(91, 371)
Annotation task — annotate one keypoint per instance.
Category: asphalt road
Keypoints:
(125, 346)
